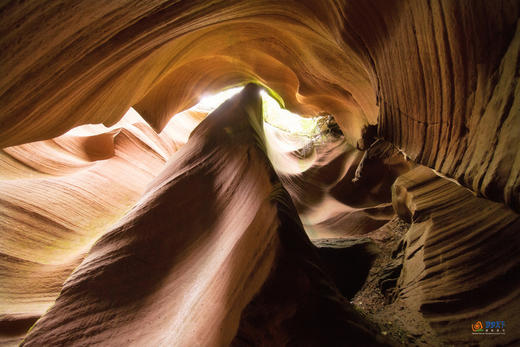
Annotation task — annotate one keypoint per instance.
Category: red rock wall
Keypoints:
(438, 79)
(460, 258)
(183, 264)
(57, 197)
(447, 75)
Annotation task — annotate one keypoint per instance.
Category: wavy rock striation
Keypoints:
(190, 275)
(439, 78)
(59, 196)
(433, 83)
(340, 191)
(460, 258)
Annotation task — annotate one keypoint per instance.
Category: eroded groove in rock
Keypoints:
(460, 262)
(449, 95)
(298, 304)
(339, 190)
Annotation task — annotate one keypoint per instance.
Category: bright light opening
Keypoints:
(208, 103)
(273, 114)
(285, 120)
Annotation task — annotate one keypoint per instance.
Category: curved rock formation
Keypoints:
(58, 197)
(412, 84)
(443, 72)
(342, 191)
(460, 257)
(192, 274)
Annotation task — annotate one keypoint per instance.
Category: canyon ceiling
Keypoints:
(137, 235)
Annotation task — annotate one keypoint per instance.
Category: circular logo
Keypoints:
(477, 326)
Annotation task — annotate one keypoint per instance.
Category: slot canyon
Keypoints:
(358, 185)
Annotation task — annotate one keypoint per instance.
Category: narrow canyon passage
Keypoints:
(192, 274)
(137, 208)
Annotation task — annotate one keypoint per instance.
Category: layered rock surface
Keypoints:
(190, 275)
(57, 197)
(340, 191)
(460, 261)
(439, 78)
(409, 82)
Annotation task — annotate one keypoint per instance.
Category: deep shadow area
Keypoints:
(348, 261)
